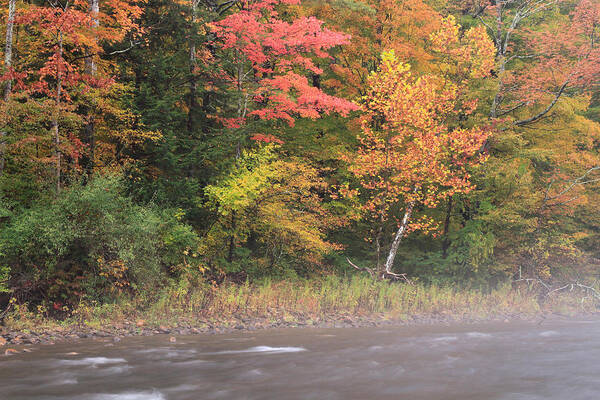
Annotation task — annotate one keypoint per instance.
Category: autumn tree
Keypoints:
(375, 26)
(545, 76)
(545, 50)
(266, 61)
(276, 210)
(70, 80)
(408, 157)
(536, 193)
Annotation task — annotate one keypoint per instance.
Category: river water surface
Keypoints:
(517, 361)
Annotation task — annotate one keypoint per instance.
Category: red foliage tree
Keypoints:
(270, 61)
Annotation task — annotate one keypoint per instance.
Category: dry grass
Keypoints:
(305, 300)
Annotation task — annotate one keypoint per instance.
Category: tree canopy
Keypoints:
(449, 141)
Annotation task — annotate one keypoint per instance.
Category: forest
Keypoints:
(150, 142)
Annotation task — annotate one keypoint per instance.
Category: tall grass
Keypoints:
(308, 300)
(336, 296)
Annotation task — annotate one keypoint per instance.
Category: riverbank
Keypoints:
(330, 302)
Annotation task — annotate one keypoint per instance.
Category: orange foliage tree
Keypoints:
(67, 69)
(376, 26)
(408, 156)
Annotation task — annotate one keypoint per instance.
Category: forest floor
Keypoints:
(324, 303)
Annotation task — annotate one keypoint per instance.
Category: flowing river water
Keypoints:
(517, 361)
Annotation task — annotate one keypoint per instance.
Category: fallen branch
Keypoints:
(590, 289)
(384, 275)
(369, 270)
(571, 286)
(529, 280)
(392, 275)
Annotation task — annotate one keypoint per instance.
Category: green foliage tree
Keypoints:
(271, 209)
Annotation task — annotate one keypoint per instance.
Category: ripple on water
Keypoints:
(478, 335)
(154, 395)
(445, 339)
(548, 333)
(116, 370)
(162, 353)
(93, 361)
(182, 388)
(263, 349)
(62, 379)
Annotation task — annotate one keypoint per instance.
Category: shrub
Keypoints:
(93, 241)
(4, 276)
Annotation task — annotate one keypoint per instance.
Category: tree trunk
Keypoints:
(57, 153)
(90, 63)
(378, 237)
(193, 101)
(231, 239)
(446, 242)
(501, 62)
(12, 5)
(389, 264)
(91, 69)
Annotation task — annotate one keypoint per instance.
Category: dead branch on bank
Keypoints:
(570, 286)
(384, 275)
(365, 269)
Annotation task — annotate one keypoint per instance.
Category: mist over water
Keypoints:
(516, 361)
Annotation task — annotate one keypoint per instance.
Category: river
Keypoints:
(516, 361)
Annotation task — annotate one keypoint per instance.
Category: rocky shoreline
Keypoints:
(14, 342)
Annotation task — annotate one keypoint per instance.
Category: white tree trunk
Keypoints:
(12, 5)
(389, 264)
(90, 63)
(192, 41)
(91, 69)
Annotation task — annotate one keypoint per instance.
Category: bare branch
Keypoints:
(369, 270)
(132, 44)
(489, 28)
(578, 181)
(4, 313)
(530, 280)
(508, 111)
(538, 6)
(545, 111)
(573, 285)
(392, 275)
(570, 285)
(112, 53)
(384, 275)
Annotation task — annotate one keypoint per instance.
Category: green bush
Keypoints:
(4, 276)
(93, 241)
